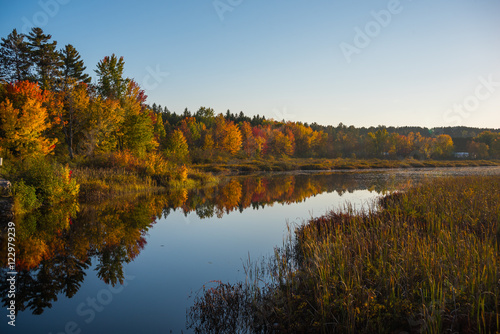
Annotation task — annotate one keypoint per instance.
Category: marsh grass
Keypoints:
(103, 183)
(100, 183)
(423, 261)
(289, 164)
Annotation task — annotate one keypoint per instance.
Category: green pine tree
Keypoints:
(15, 63)
(111, 83)
(45, 57)
(72, 65)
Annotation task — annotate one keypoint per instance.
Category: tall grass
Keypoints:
(424, 261)
(289, 164)
(99, 183)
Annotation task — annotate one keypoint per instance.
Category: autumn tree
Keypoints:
(345, 141)
(303, 138)
(478, 150)
(423, 145)
(381, 142)
(492, 140)
(443, 147)
(261, 135)
(177, 146)
(24, 120)
(226, 135)
(71, 113)
(281, 144)
(15, 63)
(208, 146)
(137, 131)
(159, 129)
(101, 126)
(404, 146)
(249, 144)
(192, 130)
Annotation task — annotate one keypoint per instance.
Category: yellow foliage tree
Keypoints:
(70, 112)
(24, 121)
(227, 136)
(101, 125)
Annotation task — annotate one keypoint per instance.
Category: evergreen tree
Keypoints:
(111, 83)
(14, 58)
(72, 65)
(45, 57)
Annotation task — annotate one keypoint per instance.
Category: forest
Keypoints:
(55, 120)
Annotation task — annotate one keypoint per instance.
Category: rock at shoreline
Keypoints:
(6, 210)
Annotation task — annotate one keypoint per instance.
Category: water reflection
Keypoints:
(239, 193)
(57, 247)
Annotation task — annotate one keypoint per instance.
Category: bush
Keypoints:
(39, 182)
(25, 197)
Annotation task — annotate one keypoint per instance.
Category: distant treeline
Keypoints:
(48, 105)
(261, 137)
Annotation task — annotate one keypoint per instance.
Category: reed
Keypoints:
(289, 164)
(421, 261)
(99, 183)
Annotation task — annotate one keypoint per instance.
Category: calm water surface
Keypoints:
(130, 266)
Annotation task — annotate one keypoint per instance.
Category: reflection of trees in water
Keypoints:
(239, 193)
(57, 246)
(38, 288)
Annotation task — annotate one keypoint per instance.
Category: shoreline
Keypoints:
(244, 167)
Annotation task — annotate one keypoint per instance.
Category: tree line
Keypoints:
(49, 105)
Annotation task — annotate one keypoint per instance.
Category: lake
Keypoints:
(133, 265)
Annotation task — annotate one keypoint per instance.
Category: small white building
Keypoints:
(461, 155)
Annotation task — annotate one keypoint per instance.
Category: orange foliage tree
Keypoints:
(226, 135)
(24, 120)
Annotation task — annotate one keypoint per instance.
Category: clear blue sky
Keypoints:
(428, 63)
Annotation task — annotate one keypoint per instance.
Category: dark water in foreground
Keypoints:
(131, 265)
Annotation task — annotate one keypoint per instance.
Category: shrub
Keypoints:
(25, 197)
(40, 182)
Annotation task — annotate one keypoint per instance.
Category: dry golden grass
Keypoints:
(426, 260)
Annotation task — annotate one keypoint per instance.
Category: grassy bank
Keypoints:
(122, 174)
(427, 260)
(103, 183)
(290, 164)
(99, 183)
(39, 182)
